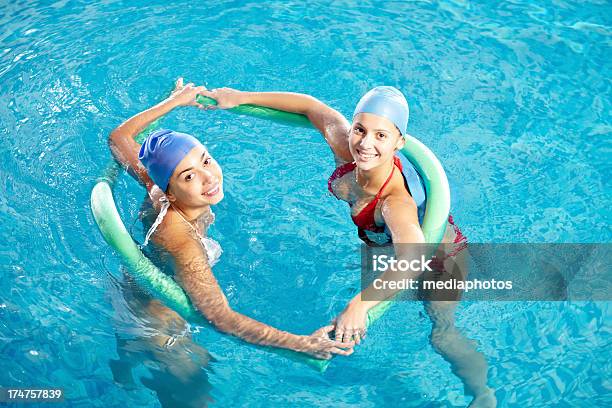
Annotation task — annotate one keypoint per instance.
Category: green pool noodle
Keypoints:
(164, 288)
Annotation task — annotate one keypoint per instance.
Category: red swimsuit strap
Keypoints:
(348, 167)
(366, 215)
(396, 163)
(365, 219)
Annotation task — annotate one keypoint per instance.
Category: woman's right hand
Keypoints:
(320, 346)
(226, 98)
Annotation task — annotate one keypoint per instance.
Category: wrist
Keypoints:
(359, 305)
(171, 102)
(243, 98)
(300, 343)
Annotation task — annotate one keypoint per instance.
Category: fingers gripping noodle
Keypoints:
(172, 295)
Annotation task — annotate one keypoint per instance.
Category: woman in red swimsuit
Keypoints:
(369, 178)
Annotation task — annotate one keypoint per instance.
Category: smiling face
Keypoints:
(373, 140)
(197, 181)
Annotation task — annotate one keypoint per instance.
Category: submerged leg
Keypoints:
(461, 353)
(122, 367)
(173, 345)
(177, 370)
(465, 360)
(161, 341)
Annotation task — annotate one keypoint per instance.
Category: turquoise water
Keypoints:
(514, 100)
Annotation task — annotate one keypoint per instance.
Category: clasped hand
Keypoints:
(185, 95)
(351, 323)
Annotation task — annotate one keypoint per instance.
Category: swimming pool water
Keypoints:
(514, 99)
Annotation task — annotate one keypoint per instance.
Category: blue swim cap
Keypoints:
(388, 102)
(162, 151)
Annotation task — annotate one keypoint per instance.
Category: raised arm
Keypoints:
(333, 126)
(122, 143)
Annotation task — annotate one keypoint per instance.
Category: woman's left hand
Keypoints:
(185, 95)
(351, 323)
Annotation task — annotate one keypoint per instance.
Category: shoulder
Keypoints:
(175, 236)
(400, 216)
(330, 121)
(396, 195)
(398, 201)
(340, 181)
(335, 128)
(399, 210)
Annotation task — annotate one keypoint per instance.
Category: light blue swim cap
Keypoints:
(388, 102)
(162, 151)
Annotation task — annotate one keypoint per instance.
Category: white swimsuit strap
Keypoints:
(158, 220)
